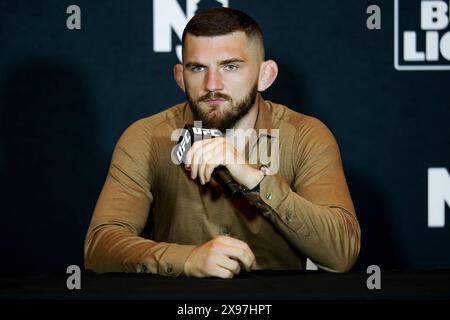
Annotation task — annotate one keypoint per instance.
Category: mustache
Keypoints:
(214, 95)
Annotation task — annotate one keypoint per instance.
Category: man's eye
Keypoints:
(231, 67)
(197, 69)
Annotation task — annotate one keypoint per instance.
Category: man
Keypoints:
(156, 216)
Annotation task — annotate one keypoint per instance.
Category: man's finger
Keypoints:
(245, 256)
(230, 264)
(233, 242)
(197, 151)
(223, 273)
(207, 161)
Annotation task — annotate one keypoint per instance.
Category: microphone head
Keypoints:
(188, 136)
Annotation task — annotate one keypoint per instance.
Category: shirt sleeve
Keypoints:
(315, 212)
(113, 242)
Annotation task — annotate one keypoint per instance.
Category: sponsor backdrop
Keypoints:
(73, 78)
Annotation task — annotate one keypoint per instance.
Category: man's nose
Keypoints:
(213, 80)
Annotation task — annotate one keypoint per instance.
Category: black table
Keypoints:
(255, 285)
(254, 295)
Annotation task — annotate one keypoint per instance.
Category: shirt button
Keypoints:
(289, 217)
(226, 231)
(169, 268)
(269, 195)
(258, 203)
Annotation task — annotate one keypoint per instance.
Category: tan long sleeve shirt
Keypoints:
(150, 214)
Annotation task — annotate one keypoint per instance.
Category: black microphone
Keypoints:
(221, 175)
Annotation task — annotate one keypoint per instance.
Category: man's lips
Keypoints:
(215, 101)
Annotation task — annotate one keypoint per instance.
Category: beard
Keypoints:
(223, 116)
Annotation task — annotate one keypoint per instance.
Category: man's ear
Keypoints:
(268, 72)
(178, 75)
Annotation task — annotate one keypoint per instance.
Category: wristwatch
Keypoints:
(265, 171)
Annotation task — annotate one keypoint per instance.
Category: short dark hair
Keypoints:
(221, 21)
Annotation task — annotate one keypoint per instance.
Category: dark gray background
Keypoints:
(66, 96)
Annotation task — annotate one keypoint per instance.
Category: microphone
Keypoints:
(221, 175)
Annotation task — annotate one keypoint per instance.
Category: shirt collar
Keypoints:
(263, 124)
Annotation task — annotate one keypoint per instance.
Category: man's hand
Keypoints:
(220, 257)
(205, 155)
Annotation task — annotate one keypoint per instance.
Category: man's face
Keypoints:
(220, 76)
